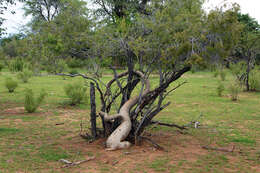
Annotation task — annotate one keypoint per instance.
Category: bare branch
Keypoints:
(168, 125)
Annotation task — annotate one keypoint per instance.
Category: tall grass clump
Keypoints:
(25, 75)
(76, 92)
(30, 102)
(10, 84)
(16, 65)
(234, 91)
(254, 80)
(220, 89)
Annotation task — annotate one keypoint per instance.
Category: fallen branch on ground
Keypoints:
(169, 125)
(57, 124)
(157, 146)
(69, 164)
(219, 149)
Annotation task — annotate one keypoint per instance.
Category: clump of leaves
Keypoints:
(254, 80)
(76, 92)
(234, 91)
(25, 75)
(10, 84)
(30, 102)
(220, 89)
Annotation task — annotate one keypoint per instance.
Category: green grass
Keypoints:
(159, 165)
(34, 143)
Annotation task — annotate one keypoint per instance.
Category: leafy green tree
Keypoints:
(112, 10)
(66, 35)
(173, 37)
(248, 47)
(43, 10)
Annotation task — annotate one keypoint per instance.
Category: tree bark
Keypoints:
(93, 110)
(116, 139)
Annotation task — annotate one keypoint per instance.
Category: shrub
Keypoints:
(238, 69)
(73, 71)
(61, 66)
(216, 73)
(220, 89)
(222, 74)
(234, 91)
(75, 63)
(25, 75)
(1, 66)
(254, 80)
(30, 102)
(76, 92)
(10, 84)
(16, 65)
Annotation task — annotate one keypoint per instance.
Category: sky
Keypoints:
(14, 22)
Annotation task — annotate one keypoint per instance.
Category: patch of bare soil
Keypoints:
(178, 147)
(16, 110)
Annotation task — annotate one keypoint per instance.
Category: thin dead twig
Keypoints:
(157, 146)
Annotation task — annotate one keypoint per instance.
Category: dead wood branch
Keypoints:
(168, 125)
(57, 124)
(146, 120)
(157, 146)
(69, 164)
(219, 149)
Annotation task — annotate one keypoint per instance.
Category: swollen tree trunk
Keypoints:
(116, 139)
(93, 110)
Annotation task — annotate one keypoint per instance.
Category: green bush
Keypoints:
(61, 66)
(30, 102)
(16, 65)
(220, 89)
(10, 84)
(76, 92)
(254, 80)
(25, 75)
(238, 69)
(234, 91)
(76, 63)
(222, 74)
(73, 71)
(216, 73)
(1, 66)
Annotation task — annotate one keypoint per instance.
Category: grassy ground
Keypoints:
(34, 142)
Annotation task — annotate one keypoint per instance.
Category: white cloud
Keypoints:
(252, 7)
(14, 22)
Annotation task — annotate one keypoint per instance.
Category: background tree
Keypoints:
(248, 48)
